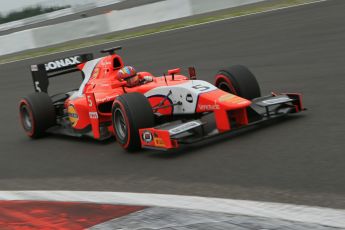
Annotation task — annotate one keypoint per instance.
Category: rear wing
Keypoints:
(42, 72)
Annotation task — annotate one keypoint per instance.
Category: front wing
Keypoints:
(263, 109)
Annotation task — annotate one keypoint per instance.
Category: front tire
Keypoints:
(37, 114)
(131, 112)
(238, 80)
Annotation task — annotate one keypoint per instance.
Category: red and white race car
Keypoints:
(155, 112)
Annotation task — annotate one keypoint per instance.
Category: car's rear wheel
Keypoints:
(238, 80)
(37, 114)
(130, 113)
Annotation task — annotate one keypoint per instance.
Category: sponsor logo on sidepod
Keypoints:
(93, 115)
(72, 115)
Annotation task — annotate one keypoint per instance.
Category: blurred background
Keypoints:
(7, 5)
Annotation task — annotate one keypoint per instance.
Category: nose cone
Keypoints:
(218, 99)
(232, 100)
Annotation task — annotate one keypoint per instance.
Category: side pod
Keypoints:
(93, 114)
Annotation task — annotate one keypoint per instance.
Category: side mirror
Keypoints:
(118, 84)
(123, 84)
(192, 73)
(174, 71)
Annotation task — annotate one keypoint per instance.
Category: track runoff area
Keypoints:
(56, 209)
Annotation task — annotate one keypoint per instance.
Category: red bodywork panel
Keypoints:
(220, 103)
(216, 101)
(103, 87)
(93, 103)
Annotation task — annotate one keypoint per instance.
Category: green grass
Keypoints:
(120, 36)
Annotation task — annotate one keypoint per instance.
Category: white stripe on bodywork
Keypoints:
(87, 70)
(179, 93)
(301, 213)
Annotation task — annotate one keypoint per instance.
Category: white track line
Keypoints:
(300, 213)
(159, 32)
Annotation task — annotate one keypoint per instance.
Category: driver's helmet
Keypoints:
(129, 74)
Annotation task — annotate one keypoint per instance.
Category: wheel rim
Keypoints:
(224, 83)
(120, 125)
(27, 121)
(225, 87)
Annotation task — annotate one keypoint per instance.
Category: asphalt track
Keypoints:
(299, 160)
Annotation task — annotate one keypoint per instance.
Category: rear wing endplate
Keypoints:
(42, 72)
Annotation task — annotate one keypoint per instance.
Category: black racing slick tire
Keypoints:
(238, 80)
(37, 114)
(131, 112)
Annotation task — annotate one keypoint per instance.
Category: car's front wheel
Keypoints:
(238, 80)
(131, 112)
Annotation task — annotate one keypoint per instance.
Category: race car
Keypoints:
(145, 111)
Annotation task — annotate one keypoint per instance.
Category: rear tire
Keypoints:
(238, 80)
(37, 114)
(131, 112)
